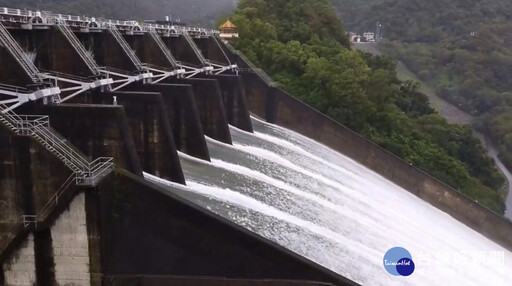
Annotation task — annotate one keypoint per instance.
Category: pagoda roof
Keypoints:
(228, 24)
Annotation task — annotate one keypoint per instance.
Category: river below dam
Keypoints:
(334, 211)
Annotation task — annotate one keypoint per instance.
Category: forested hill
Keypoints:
(302, 45)
(205, 12)
(423, 21)
(461, 48)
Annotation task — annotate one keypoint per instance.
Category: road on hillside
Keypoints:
(452, 114)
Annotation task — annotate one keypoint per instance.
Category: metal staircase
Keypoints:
(87, 173)
(196, 49)
(163, 48)
(77, 45)
(46, 211)
(126, 48)
(221, 48)
(15, 50)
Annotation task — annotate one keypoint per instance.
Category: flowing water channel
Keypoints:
(452, 114)
(334, 211)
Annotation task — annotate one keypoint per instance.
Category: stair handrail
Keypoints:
(71, 155)
(9, 113)
(22, 123)
(96, 165)
(68, 76)
(79, 48)
(160, 68)
(37, 126)
(99, 167)
(14, 88)
(20, 56)
(163, 47)
(221, 49)
(121, 71)
(54, 200)
(124, 45)
(29, 121)
(217, 63)
(75, 162)
(88, 169)
(195, 48)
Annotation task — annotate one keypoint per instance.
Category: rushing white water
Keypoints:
(326, 207)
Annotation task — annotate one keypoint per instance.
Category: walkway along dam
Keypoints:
(120, 143)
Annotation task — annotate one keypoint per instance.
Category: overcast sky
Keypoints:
(190, 11)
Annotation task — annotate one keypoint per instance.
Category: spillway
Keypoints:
(334, 211)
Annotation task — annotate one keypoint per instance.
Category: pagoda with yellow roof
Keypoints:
(228, 31)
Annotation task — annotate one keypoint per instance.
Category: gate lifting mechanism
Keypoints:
(45, 83)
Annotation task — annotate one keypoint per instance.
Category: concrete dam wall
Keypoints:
(140, 96)
(122, 97)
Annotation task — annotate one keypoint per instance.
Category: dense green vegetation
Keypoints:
(193, 12)
(303, 46)
(461, 48)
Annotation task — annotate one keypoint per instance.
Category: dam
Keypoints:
(151, 154)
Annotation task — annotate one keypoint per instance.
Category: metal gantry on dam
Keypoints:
(25, 33)
(46, 83)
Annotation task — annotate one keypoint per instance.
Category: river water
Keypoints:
(334, 211)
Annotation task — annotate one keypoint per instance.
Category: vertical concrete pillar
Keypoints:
(45, 271)
(271, 105)
(235, 101)
(93, 217)
(20, 268)
(150, 128)
(211, 108)
(71, 246)
(183, 116)
(256, 91)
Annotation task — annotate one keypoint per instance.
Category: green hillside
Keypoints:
(423, 21)
(462, 48)
(302, 45)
